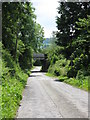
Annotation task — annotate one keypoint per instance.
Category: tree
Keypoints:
(39, 36)
(20, 32)
(69, 13)
(81, 44)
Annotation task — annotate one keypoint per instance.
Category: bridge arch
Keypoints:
(43, 59)
(38, 56)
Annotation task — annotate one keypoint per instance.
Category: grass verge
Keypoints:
(12, 88)
(13, 80)
(82, 84)
(50, 75)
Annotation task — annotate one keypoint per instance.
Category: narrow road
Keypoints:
(46, 97)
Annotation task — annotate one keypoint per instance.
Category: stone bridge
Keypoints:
(43, 59)
(38, 56)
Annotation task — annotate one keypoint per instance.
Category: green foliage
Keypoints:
(68, 15)
(70, 58)
(11, 96)
(73, 23)
(0, 101)
(37, 62)
(80, 75)
(39, 36)
(26, 60)
(83, 84)
(72, 72)
(21, 35)
(13, 82)
(61, 78)
(54, 54)
(54, 59)
(50, 75)
(60, 68)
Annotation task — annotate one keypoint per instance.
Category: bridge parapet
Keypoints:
(43, 61)
(38, 56)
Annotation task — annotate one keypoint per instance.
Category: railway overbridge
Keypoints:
(43, 59)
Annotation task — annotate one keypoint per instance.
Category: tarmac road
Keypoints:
(46, 97)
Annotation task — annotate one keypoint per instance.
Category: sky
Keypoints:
(46, 12)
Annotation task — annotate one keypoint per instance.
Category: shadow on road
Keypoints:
(33, 76)
(58, 80)
(35, 71)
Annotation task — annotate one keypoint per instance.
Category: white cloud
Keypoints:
(46, 11)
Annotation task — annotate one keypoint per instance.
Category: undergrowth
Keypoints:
(13, 81)
(60, 69)
(82, 84)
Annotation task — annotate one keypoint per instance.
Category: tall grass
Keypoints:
(13, 82)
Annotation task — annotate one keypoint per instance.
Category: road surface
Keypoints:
(46, 97)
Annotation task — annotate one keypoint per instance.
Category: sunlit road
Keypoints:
(46, 97)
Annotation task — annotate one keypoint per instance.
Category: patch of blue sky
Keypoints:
(46, 12)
